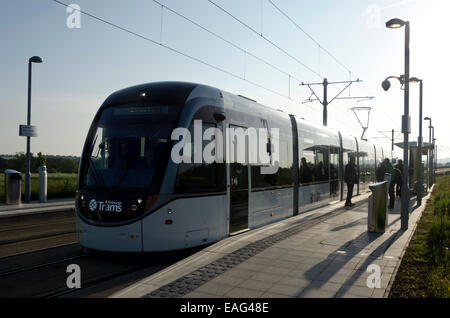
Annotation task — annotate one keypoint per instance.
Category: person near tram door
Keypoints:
(350, 179)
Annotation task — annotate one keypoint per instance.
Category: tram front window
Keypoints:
(130, 148)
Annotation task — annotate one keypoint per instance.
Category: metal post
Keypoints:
(28, 173)
(430, 155)
(325, 102)
(392, 147)
(435, 158)
(431, 159)
(405, 129)
(419, 141)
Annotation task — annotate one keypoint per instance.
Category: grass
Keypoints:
(59, 186)
(425, 270)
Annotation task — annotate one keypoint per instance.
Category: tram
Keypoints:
(132, 196)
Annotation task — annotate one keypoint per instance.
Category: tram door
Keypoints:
(239, 175)
(334, 173)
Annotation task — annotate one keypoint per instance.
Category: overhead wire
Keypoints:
(227, 41)
(320, 46)
(180, 52)
(310, 37)
(265, 38)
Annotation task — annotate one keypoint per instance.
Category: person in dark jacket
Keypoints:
(398, 185)
(380, 172)
(390, 169)
(398, 181)
(350, 179)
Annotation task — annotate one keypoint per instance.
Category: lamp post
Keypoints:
(394, 24)
(430, 157)
(419, 141)
(434, 156)
(34, 59)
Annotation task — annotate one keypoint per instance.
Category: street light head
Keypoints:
(386, 84)
(35, 59)
(427, 118)
(414, 80)
(395, 23)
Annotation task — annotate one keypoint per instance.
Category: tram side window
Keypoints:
(307, 167)
(314, 163)
(283, 176)
(286, 167)
(322, 165)
(364, 168)
(334, 164)
(200, 177)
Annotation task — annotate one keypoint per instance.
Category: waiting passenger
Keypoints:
(305, 172)
(334, 181)
(320, 172)
(398, 182)
(379, 173)
(399, 166)
(350, 179)
(391, 171)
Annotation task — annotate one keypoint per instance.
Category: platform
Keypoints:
(36, 207)
(322, 253)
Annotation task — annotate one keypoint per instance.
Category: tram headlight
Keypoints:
(80, 198)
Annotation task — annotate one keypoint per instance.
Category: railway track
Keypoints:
(35, 251)
(44, 273)
(28, 233)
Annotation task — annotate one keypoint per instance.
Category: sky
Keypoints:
(344, 40)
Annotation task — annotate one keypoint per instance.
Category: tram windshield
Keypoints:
(130, 148)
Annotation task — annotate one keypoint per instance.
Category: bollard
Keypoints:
(42, 183)
(378, 202)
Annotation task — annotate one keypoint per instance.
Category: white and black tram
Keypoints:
(133, 197)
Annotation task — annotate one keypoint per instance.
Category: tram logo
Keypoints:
(93, 205)
(105, 206)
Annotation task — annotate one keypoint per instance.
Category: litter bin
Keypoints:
(13, 189)
(378, 207)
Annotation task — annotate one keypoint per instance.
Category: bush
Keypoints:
(438, 241)
(439, 287)
(438, 238)
(40, 160)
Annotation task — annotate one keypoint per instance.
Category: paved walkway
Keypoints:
(322, 253)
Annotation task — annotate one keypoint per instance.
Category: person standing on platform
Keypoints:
(398, 188)
(390, 169)
(350, 179)
(381, 171)
(398, 181)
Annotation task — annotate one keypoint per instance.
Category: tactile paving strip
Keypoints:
(195, 279)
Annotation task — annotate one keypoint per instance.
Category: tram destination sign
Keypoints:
(28, 131)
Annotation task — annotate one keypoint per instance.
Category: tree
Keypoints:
(41, 160)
